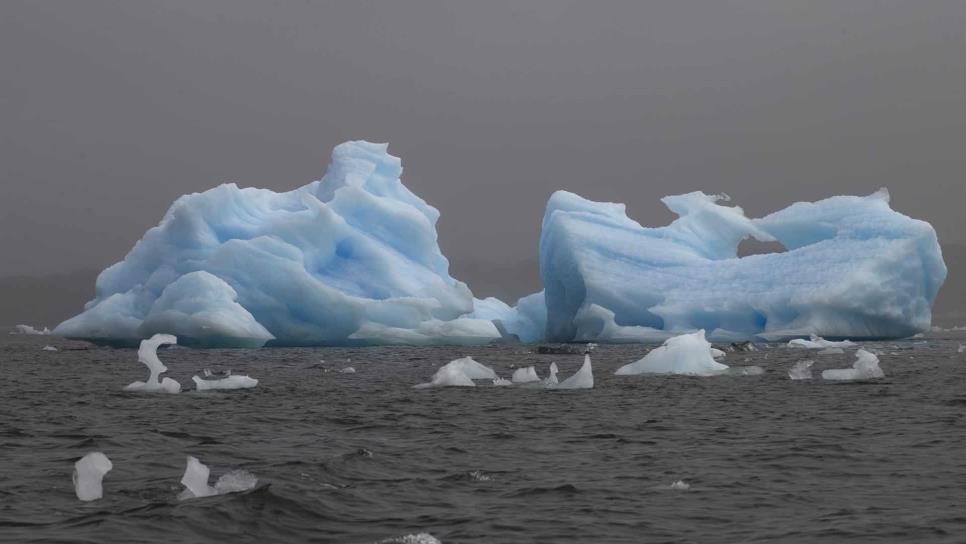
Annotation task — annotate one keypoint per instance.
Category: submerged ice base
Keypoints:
(853, 268)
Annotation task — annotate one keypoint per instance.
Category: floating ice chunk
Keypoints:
(348, 370)
(460, 373)
(230, 382)
(961, 349)
(552, 380)
(853, 268)
(501, 381)
(685, 354)
(802, 370)
(717, 353)
(195, 480)
(49, 348)
(744, 371)
(27, 329)
(525, 375)
(89, 471)
(148, 354)
(865, 367)
(817, 342)
(743, 346)
(473, 369)
(681, 485)
(583, 379)
(831, 351)
(419, 538)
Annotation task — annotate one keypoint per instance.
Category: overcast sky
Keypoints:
(110, 110)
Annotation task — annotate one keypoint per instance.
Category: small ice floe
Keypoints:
(459, 373)
(583, 379)
(831, 351)
(348, 370)
(817, 342)
(148, 354)
(801, 370)
(89, 472)
(525, 375)
(680, 485)
(418, 538)
(865, 367)
(27, 329)
(231, 382)
(49, 348)
(502, 381)
(742, 346)
(195, 481)
(685, 354)
(552, 380)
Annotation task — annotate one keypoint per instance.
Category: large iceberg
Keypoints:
(853, 268)
(351, 259)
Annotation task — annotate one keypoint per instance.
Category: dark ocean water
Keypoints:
(364, 457)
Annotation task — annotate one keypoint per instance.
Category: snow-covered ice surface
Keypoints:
(148, 354)
(89, 474)
(229, 382)
(865, 367)
(854, 268)
(195, 481)
(350, 259)
(684, 354)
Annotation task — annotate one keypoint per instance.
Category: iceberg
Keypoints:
(865, 367)
(689, 354)
(89, 472)
(195, 481)
(853, 268)
(582, 379)
(148, 354)
(351, 259)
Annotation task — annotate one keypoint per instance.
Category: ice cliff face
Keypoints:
(350, 259)
(854, 268)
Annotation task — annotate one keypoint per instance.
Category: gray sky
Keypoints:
(110, 110)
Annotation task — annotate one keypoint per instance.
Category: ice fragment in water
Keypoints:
(961, 349)
(419, 538)
(525, 375)
(552, 378)
(148, 354)
(865, 367)
(49, 348)
(196, 475)
(27, 329)
(502, 381)
(583, 379)
(89, 472)
(459, 373)
(231, 382)
(685, 354)
(348, 370)
(681, 485)
(817, 342)
(802, 370)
